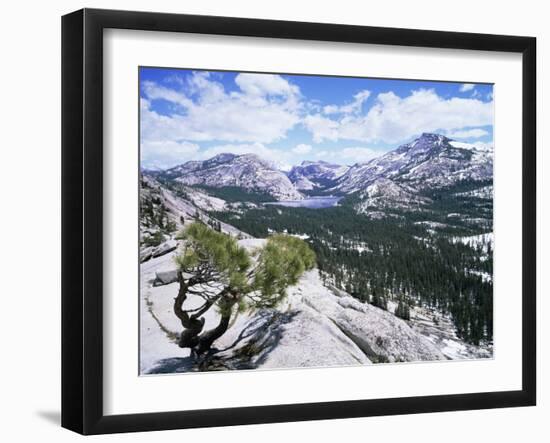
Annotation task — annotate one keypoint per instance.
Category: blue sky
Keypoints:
(193, 115)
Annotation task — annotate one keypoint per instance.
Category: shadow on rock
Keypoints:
(251, 347)
(255, 342)
(174, 365)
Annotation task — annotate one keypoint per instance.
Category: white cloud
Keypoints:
(468, 133)
(321, 154)
(351, 108)
(156, 92)
(302, 149)
(475, 94)
(207, 92)
(348, 155)
(358, 154)
(144, 104)
(266, 107)
(263, 111)
(165, 154)
(331, 109)
(394, 119)
(265, 84)
(321, 128)
(467, 87)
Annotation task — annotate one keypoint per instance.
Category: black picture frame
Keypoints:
(82, 218)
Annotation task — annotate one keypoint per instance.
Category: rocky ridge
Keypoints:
(316, 325)
(245, 171)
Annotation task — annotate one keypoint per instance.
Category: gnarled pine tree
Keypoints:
(215, 268)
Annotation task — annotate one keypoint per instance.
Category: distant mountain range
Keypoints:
(431, 160)
(246, 171)
(396, 178)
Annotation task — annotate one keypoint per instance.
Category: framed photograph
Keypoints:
(269, 221)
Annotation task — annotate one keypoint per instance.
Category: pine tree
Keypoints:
(223, 274)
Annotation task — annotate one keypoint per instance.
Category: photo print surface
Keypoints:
(293, 221)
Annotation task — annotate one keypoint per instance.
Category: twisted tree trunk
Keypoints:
(207, 338)
(192, 326)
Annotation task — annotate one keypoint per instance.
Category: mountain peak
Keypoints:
(431, 160)
(246, 171)
(427, 141)
(431, 135)
(223, 157)
(431, 138)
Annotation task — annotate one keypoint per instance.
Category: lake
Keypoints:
(311, 202)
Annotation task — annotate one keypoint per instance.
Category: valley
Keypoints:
(406, 235)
